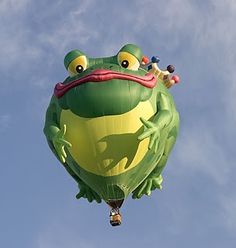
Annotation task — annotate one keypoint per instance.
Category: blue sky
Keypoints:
(197, 206)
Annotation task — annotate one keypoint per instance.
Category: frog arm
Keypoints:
(56, 141)
(158, 122)
(164, 114)
(153, 129)
(55, 134)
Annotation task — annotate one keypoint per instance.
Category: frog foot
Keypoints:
(151, 130)
(60, 143)
(149, 184)
(87, 192)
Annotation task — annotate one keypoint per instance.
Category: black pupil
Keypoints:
(125, 63)
(79, 68)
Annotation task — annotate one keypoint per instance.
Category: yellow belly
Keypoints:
(107, 145)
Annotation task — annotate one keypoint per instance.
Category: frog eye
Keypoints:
(128, 61)
(77, 65)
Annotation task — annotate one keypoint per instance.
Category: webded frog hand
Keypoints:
(87, 192)
(151, 130)
(145, 188)
(60, 143)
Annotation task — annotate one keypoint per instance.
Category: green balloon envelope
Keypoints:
(112, 125)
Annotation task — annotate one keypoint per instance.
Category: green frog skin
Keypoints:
(112, 124)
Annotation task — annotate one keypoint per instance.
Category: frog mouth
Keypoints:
(101, 75)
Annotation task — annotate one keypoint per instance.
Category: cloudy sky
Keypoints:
(197, 206)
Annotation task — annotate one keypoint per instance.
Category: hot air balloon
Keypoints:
(112, 123)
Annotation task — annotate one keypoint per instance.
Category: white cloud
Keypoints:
(16, 46)
(70, 29)
(198, 149)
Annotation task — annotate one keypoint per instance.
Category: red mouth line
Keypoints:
(101, 75)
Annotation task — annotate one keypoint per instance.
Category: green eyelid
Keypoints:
(71, 56)
(134, 50)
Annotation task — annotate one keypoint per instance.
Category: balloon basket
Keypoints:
(115, 217)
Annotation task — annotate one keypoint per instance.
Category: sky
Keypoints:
(197, 206)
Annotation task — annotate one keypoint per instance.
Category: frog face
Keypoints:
(104, 86)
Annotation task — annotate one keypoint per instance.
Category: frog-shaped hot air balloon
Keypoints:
(112, 124)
